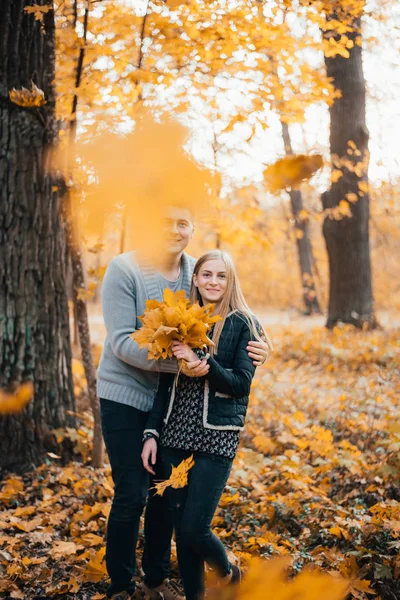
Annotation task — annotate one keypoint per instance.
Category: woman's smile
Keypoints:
(211, 280)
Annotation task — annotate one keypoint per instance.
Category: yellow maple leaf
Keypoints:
(178, 477)
(14, 402)
(96, 569)
(27, 98)
(288, 172)
(38, 11)
(176, 318)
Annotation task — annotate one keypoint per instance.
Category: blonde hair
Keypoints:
(232, 300)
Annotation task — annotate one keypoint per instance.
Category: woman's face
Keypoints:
(211, 281)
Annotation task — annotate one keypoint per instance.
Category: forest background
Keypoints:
(276, 110)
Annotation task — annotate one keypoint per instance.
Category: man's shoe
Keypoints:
(167, 590)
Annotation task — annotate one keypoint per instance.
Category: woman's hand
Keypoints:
(183, 352)
(197, 368)
(149, 455)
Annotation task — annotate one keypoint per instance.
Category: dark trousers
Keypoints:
(123, 427)
(193, 508)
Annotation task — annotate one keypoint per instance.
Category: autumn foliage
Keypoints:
(316, 481)
(176, 318)
(312, 507)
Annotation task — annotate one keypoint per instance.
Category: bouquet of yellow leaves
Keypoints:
(175, 319)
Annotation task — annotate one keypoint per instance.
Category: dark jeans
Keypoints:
(193, 508)
(123, 431)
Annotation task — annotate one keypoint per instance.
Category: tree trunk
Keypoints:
(79, 286)
(347, 238)
(34, 328)
(303, 240)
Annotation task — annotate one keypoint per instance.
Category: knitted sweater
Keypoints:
(125, 374)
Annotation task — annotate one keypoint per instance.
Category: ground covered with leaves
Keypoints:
(317, 478)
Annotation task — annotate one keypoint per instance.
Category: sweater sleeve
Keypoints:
(234, 382)
(154, 421)
(119, 311)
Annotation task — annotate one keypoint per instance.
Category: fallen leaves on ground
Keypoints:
(316, 480)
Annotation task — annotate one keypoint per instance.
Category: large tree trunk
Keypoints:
(34, 328)
(304, 249)
(347, 238)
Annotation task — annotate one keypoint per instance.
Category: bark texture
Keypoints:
(347, 239)
(34, 327)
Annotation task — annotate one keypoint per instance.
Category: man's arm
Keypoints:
(119, 311)
(258, 351)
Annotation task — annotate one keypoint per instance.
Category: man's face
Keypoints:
(178, 228)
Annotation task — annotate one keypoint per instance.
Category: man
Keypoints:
(127, 382)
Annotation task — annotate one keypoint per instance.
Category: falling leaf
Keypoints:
(14, 402)
(290, 171)
(264, 576)
(38, 11)
(28, 98)
(299, 233)
(164, 174)
(178, 477)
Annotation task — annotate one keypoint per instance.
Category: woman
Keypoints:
(203, 416)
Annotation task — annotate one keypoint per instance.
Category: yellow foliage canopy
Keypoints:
(174, 319)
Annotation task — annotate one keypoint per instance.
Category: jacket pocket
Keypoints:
(221, 395)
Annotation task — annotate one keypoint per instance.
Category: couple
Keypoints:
(142, 410)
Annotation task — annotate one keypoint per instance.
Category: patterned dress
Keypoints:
(185, 429)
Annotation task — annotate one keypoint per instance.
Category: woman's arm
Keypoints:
(155, 419)
(234, 382)
(118, 297)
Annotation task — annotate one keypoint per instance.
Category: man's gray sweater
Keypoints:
(125, 373)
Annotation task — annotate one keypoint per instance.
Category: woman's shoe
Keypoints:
(236, 578)
(167, 590)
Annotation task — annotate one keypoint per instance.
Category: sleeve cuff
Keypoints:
(152, 432)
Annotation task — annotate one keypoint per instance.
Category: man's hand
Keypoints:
(258, 351)
(149, 455)
(183, 352)
(197, 368)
